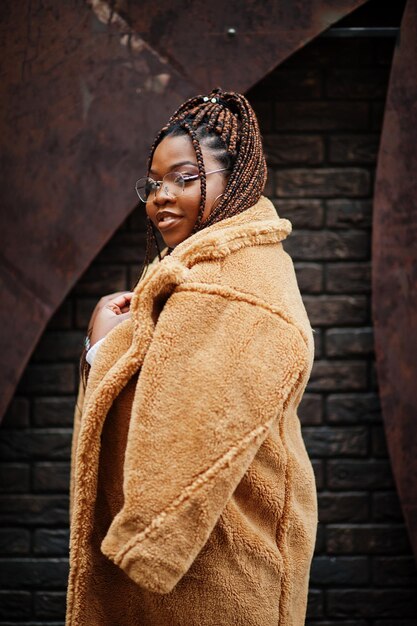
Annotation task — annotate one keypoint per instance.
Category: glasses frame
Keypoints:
(159, 183)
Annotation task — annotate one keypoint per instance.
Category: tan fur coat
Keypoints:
(193, 499)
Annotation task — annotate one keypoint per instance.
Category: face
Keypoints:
(175, 217)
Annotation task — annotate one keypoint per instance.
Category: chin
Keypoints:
(174, 238)
(172, 241)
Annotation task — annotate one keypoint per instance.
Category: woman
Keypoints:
(193, 500)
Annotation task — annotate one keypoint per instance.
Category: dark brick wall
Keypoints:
(320, 114)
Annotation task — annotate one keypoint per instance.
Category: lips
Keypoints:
(167, 219)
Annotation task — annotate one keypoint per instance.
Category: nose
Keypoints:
(162, 195)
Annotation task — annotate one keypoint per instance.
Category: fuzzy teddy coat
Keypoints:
(193, 499)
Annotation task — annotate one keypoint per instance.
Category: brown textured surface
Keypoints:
(82, 101)
(394, 277)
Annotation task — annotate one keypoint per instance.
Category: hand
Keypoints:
(100, 304)
(110, 311)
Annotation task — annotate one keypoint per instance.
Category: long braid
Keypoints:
(201, 171)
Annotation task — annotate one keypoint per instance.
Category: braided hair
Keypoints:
(225, 123)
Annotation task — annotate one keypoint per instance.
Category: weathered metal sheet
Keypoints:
(83, 91)
(394, 268)
(232, 44)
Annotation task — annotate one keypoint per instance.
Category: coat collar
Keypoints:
(257, 225)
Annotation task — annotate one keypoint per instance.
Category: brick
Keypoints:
(101, 280)
(14, 477)
(340, 570)
(325, 53)
(341, 342)
(51, 542)
(383, 52)
(14, 541)
(33, 573)
(54, 411)
(59, 346)
(343, 507)
(51, 443)
(17, 414)
(386, 506)
(322, 182)
(377, 115)
(263, 111)
(353, 408)
(15, 604)
(394, 622)
(349, 213)
(282, 149)
(50, 604)
(50, 378)
(394, 571)
(336, 310)
(327, 245)
(378, 442)
(315, 604)
(51, 477)
(320, 539)
(321, 116)
(353, 149)
(348, 277)
(84, 308)
(326, 442)
(289, 84)
(123, 247)
(310, 410)
(371, 603)
(134, 273)
(330, 622)
(309, 277)
(137, 219)
(62, 318)
(373, 375)
(33, 510)
(368, 83)
(302, 213)
(367, 539)
(318, 342)
(318, 468)
(343, 375)
(363, 474)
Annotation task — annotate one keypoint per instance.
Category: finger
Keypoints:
(101, 303)
(122, 300)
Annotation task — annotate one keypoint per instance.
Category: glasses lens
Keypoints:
(173, 183)
(144, 187)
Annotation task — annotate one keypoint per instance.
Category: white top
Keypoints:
(91, 353)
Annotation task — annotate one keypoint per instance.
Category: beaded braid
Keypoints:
(230, 116)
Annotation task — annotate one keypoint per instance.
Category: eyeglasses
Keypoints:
(173, 184)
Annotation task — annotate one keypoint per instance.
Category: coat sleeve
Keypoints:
(217, 374)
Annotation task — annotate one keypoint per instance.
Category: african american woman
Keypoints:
(193, 499)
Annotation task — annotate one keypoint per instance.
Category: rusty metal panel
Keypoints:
(394, 269)
(85, 86)
(232, 44)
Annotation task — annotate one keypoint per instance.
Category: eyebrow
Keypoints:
(151, 171)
